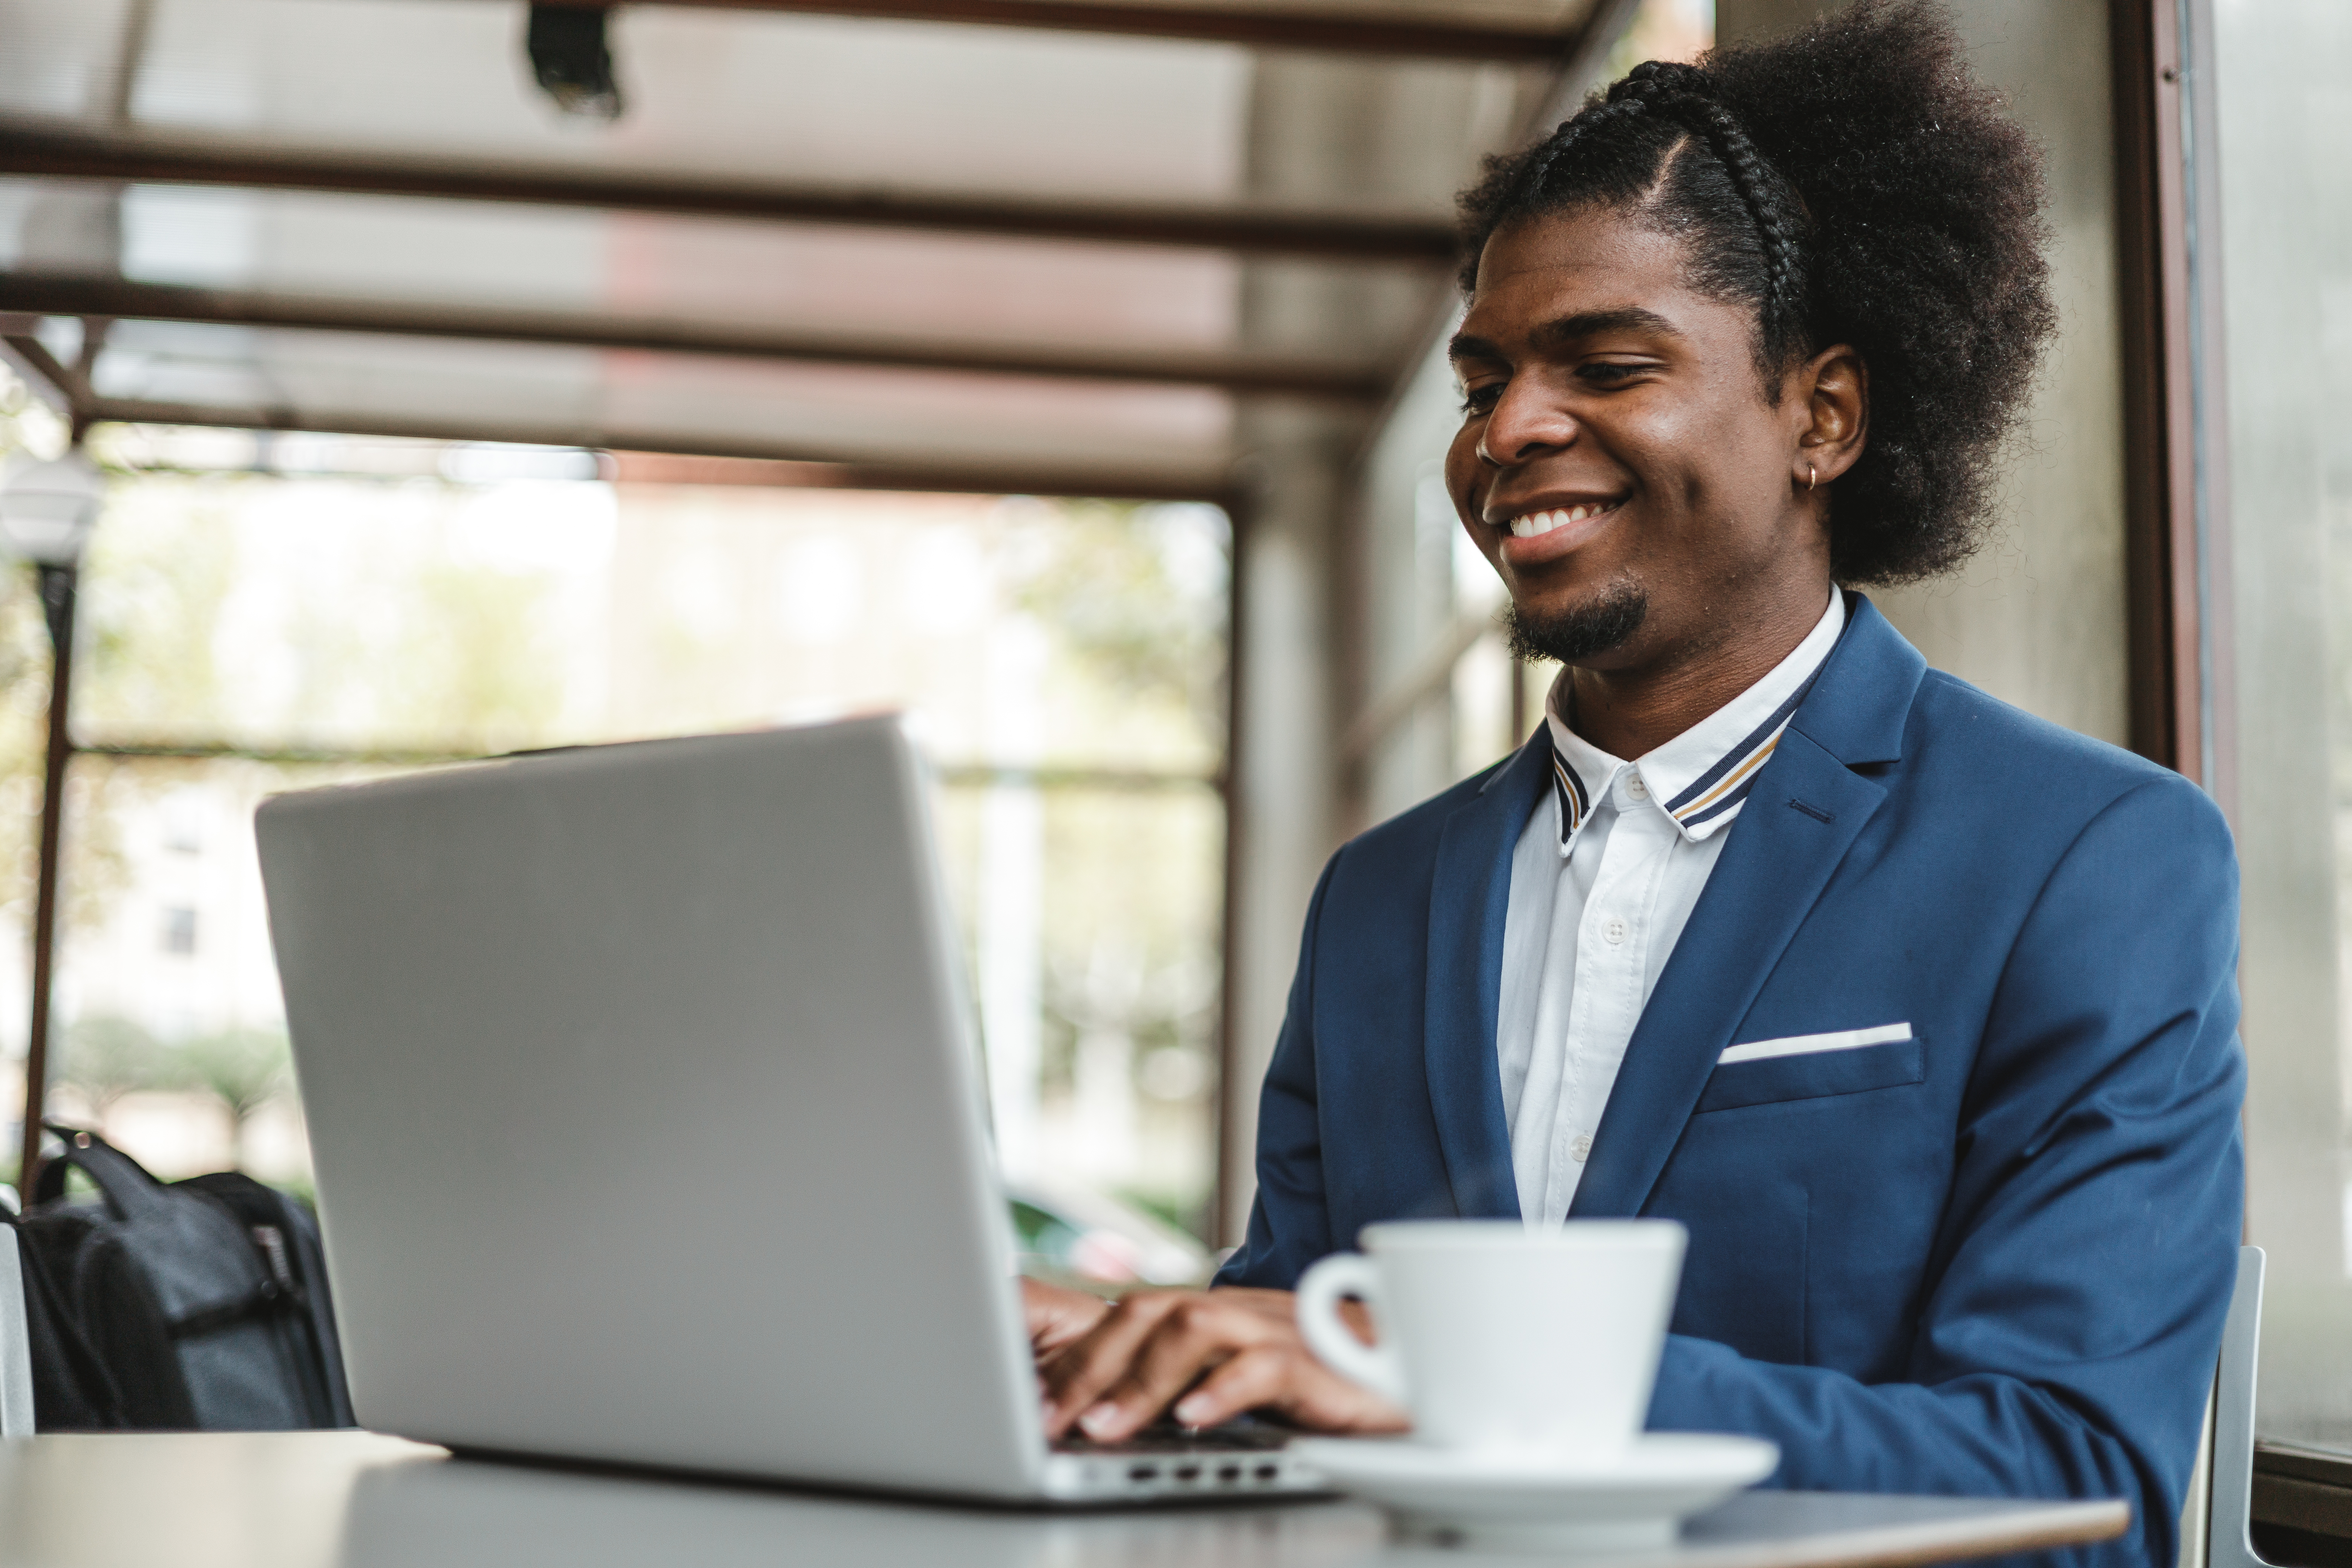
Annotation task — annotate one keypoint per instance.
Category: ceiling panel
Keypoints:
(739, 95)
(901, 286)
(721, 92)
(1180, 162)
(967, 286)
(844, 413)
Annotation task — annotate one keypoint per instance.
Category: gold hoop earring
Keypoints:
(1812, 476)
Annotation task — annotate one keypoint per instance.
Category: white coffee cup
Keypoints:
(1501, 1338)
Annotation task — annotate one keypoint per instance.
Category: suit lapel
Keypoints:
(1469, 900)
(1806, 809)
(1775, 865)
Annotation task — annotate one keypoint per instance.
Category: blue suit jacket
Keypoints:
(1993, 1260)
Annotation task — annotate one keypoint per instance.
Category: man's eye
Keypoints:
(1480, 399)
(1608, 372)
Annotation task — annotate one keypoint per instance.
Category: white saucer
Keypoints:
(1635, 1501)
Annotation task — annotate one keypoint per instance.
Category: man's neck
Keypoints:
(1633, 711)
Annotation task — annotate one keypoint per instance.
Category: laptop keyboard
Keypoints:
(1242, 1436)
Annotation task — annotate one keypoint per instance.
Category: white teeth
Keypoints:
(1537, 522)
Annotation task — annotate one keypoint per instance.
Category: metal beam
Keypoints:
(1270, 28)
(1340, 236)
(1230, 370)
(786, 467)
(2175, 549)
(70, 386)
(58, 589)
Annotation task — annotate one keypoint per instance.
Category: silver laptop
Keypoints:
(648, 1130)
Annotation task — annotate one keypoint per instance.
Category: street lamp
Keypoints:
(46, 512)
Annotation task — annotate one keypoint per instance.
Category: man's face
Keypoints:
(1617, 462)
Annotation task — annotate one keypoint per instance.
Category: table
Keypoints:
(354, 1500)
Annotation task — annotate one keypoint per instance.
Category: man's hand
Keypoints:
(1215, 1353)
(1057, 1316)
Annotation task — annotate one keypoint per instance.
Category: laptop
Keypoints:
(648, 1130)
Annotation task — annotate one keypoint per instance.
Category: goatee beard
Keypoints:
(1596, 626)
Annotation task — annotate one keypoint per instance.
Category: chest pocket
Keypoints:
(1814, 1075)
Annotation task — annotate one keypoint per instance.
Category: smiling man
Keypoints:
(1916, 1011)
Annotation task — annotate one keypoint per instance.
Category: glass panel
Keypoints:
(1097, 981)
(2286, 267)
(1063, 663)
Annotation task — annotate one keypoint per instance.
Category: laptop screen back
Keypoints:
(645, 1122)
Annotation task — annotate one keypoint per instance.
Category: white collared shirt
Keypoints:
(1602, 882)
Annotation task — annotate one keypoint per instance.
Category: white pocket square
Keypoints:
(1806, 1045)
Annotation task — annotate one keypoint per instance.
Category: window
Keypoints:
(180, 931)
(1062, 662)
(183, 823)
(2286, 274)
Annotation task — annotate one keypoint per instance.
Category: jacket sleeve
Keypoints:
(2068, 1329)
(1289, 1226)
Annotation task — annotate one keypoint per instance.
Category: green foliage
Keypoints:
(215, 607)
(1122, 592)
(25, 422)
(107, 1058)
(478, 673)
(152, 617)
(242, 1069)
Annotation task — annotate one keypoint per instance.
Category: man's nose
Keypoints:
(1526, 424)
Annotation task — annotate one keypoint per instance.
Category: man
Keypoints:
(1916, 1011)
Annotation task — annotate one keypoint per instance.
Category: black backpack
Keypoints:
(200, 1304)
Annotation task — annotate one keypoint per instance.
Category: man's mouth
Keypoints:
(1541, 523)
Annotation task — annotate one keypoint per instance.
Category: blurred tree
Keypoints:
(155, 603)
(107, 1058)
(477, 669)
(1135, 600)
(1136, 596)
(244, 1069)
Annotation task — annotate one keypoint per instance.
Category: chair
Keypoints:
(15, 1343)
(2229, 1517)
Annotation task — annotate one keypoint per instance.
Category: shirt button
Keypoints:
(1636, 788)
(1580, 1148)
(1614, 931)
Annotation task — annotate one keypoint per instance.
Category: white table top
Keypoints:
(354, 1499)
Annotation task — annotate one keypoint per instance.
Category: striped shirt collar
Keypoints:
(1701, 777)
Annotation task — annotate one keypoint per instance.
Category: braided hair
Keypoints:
(1851, 183)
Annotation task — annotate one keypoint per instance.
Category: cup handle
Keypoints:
(1320, 1289)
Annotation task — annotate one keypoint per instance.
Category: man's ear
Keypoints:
(1832, 409)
